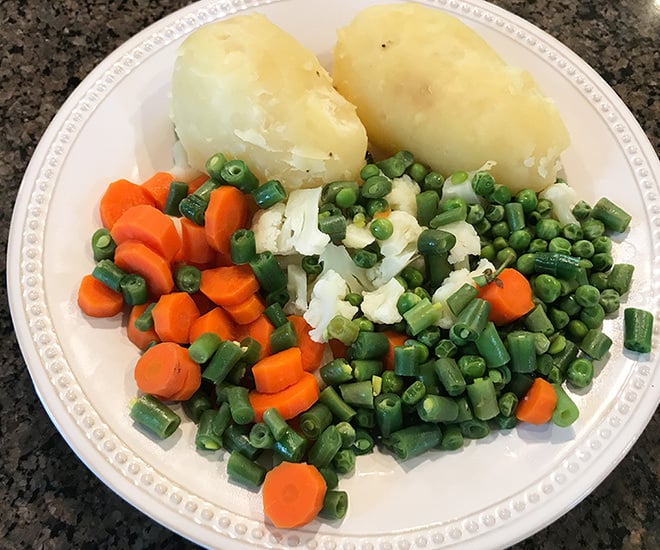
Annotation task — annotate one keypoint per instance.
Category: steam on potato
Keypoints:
(245, 87)
(424, 81)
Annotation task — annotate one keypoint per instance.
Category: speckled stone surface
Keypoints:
(48, 498)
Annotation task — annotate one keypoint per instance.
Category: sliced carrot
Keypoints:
(290, 402)
(195, 249)
(195, 183)
(98, 300)
(247, 311)
(277, 372)
(229, 285)
(191, 383)
(510, 296)
(292, 494)
(226, 212)
(158, 187)
(162, 369)
(137, 257)
(215, 321)
(174, 315)
(260, 330)
(118, 197)
(539, 402)
(147, 224)
(395, 339)
(312, 352)
(141, 338)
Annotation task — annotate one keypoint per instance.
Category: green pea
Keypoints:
(593, 316)
(520, 239)
(494, 213)
(602, 244)
(538, 245)
(525, 264)
(587, 295)
(528, 199)
(572, 232)
(548, 229)
(576, 330)
(610, 300)
(547, 288)
(381, 228)
(581, 210)
(602, 261)
(560, 244)
(500, 229)
(592, 228)
(582, 249)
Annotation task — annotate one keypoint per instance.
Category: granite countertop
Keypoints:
(48, 498)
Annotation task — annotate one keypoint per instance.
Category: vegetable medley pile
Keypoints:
(406, 312)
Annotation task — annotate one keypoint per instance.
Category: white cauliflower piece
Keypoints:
(357, 236)
(326, 302)
(403, 195)
(297, 288)
(300, 228)
(467, 240)
(336, 258)
(563, 198)
(464, 189)
(266, 225)
(379, 306)
(451, 284)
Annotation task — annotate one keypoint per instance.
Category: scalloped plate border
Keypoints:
(136, 481)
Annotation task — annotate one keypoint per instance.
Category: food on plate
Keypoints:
(424, 81)
(245, 87)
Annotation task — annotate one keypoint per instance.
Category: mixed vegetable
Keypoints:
(406, 311)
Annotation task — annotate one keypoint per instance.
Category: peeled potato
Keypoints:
(246, 88)
(425, 82)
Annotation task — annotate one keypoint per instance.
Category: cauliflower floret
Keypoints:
(327, 301)
(297, 288)
(403, 195)
(451, 284)
(379, 306)
(563, 199)
(300, 228)
(467, 240)
(464, 189)
(266, 225)
(336, 258)
(357, 236)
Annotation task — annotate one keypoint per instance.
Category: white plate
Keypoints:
(492, 493)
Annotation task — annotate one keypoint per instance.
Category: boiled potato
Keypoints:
(425, 82)
(246, 88)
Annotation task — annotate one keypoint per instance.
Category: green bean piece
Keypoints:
(576, 330)
(343, 329)
(275, 422)
(396, 165)
(145, 321)
(340, 409)
(566, 411)
(471, 366)
(333, 225)
(223, 361)
(580, 372)
(109, 273)
(311, 264)
(461, 298)
(151, 413)
(239, 405)
(475, 214)
(446, 348)
(344, 461)
(336, 372)
(314, 420)
(325, 447)
(177, 191)
(414, 393)
(427, 206)
(556, 264)
(194, 206)
(451, 215)
(389, 413)
(335, 505)
(568, 287)
(562, 359)
(450, 375)
(358, 394)
(276, 315)
(491, 347)
(514, 215)
(521, 382)
(611, 215)
(392, 382)
(452, 438)
(280, 296)
(537, 321)
(365, 418)
(435, 242)
(236, 173)
(483, 398)
(268, 272)
(507, 403)
(370, 345)
(405, 360)
(244, 471)
(196, 404)
(364, 442)
(637, 330)
(430, 336)
(415, 440)
(522, 347)
(347, 434)
(242, 246)
(569, 305)
(437, 408)
(470, 322)
(593, 316)
(483, 183)
(260, 436)
(331, 192)
(483, 227)
(365, 369)
(474, 428)
(330, 476)
(203, 347)
(291, 446)
(558, 318)
(134, 289)
(505, 422)
(187, 278)
(214, 166)
(283, 337)
(103, 245)
(211, 426)
(376, 187)
(620, 278)
(464, 410)
(438, 268)
(494, 213)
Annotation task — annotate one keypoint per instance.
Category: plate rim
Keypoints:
(45, 386)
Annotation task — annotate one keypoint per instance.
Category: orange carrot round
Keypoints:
(118, 197)
(289, 402)
(137, 257)
(191, 383)
(158, 187)
(260, 330)
(510, 296)
(277, 372)
(147, 224)
(215, 321)
(312, 352)
(247, 311)
(174, 315)
(226, 212)
(97, 300)
(162, 369)
(293, 494)
(229, 285)
(141, 338)
(539, 402)
(195, 249)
